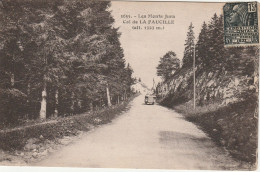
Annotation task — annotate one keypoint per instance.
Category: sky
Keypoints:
(143, 48)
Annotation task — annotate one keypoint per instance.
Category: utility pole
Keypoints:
(153, 86)
(194, 84)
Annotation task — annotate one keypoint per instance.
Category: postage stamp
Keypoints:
(241, 24)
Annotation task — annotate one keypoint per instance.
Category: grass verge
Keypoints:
(16, 138)
(233, 126)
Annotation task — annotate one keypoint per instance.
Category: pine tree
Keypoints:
(189, 48)
(202, 46)
(213, 42)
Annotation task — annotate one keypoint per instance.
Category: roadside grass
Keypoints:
(53, 129)
(233, 126)
(188, 110)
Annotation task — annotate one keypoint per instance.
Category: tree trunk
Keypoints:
(12, 73)
(73, 102)
(28, 92)
(125, 95)
(56, 103)
(91, 106)
(12, 80)
(108, 97)
(43, 102)
(118, 99)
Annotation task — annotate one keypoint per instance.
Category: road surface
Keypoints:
(146, 136)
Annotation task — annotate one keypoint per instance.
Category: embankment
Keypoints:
(233, 126)
(226, 101)
(50, 130)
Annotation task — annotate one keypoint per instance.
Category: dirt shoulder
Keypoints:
(21, 145)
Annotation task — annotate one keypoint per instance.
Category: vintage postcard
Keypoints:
(129, 84)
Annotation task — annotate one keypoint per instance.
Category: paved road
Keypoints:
(146, 136)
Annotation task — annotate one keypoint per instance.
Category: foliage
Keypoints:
(217, 68)
(226, 90)
(168, 64)
(189, 48)
(68, 47)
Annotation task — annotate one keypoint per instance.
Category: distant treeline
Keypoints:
(59, 57)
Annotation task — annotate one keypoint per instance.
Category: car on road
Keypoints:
(149, 99)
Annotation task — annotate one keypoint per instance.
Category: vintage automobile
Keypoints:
(149, 99)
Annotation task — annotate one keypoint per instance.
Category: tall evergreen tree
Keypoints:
(214, 41)
(189, 48)
(202, 45)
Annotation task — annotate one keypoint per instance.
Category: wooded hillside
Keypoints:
(226, 89)
(59, 58)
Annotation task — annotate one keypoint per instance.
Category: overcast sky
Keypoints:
(143, 48)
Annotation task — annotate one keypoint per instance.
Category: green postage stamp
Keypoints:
(241, 24)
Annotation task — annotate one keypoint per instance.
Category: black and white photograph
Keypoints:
(119, 84)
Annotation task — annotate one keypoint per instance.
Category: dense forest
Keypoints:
(217, 68)
(59, 58)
